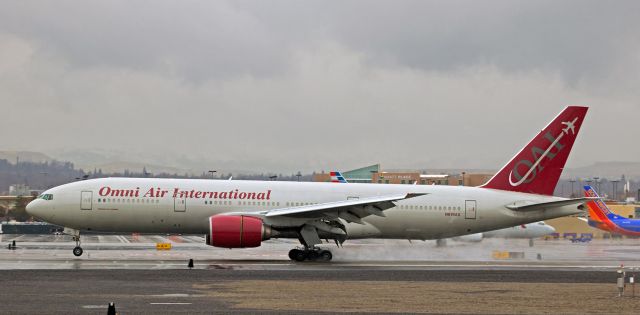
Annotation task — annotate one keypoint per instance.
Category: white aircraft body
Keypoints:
(524, 231)
(527, 231)
(237, 214)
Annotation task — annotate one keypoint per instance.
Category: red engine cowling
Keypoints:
(236, 231)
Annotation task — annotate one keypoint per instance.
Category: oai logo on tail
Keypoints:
(535, 167)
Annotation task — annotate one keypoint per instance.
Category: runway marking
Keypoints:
(170, 303)
(95, 306)
(123, 239)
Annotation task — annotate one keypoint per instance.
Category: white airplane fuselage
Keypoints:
(156, 205)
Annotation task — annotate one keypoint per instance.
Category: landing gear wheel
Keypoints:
(299, 255)
(315, 254)
(312, 255)
(295, 253)
(77, 251)
(325, 255)
(292, 254)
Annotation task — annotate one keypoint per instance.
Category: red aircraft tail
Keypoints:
(537, 167)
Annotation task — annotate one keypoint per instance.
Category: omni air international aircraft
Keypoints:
(240, 214)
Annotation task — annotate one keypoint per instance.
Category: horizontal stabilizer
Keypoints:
(533, 206)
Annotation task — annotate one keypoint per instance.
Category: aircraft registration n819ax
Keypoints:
(239, 214)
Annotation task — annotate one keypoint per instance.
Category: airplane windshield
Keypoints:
(46, 197)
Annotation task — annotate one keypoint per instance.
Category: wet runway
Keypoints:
(139, 252)
(372, 276)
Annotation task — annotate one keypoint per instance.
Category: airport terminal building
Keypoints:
(374, 174)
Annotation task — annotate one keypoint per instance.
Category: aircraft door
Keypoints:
(470, 209)
(180, 204)
(86, 200)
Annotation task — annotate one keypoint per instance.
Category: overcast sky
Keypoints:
(311, 85)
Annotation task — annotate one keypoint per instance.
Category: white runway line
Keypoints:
(123, 239)
(95, 306)
(170, 303)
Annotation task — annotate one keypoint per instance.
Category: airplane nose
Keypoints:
(31, 208)
(550, 229)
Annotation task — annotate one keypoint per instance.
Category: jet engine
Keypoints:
(237, 231)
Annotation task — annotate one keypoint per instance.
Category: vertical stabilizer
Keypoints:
(598, 210)
(537, 167)
(336, 177)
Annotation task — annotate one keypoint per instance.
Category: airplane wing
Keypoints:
(325, 217)
(533, 206)
(351, 210)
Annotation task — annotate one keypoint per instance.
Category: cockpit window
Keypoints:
(46, 197)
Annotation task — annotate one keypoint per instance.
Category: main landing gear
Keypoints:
(310, 254)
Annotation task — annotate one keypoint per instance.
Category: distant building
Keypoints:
(19, 190)
(359, 175)
(373, 174)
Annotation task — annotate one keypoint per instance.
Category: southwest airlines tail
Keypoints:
(537, 167)
(598, 210)
(336, 177)
(601, 217)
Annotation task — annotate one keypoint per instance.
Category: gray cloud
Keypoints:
(285, 86)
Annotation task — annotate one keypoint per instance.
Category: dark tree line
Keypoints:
(37, 175)
(41, 176)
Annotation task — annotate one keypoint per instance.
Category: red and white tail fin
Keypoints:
(537, 167)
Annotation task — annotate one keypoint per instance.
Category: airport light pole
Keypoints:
(298, 175)
(212, 172)
(614, 183)
(463, 178)
(572, 191)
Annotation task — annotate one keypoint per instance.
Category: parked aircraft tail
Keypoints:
(537, 167)
(601, 217)
(598, 210)
(336, 177)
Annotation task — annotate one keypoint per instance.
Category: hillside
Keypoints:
(24, 156)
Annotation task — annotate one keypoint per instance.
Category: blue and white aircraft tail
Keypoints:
(336, 177)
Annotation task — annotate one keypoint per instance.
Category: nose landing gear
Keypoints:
(310, 254)
(77, 251)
